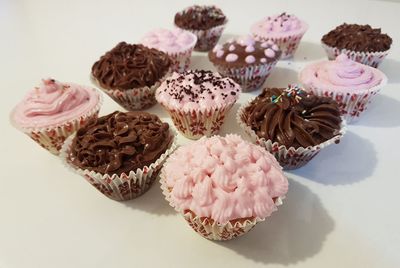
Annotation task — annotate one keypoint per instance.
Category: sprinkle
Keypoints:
(250, 59)
(219, 53)
(232, 48)
(269, 53)
(231, 57)
(249, 49)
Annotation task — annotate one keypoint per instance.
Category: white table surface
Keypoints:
(342, 209)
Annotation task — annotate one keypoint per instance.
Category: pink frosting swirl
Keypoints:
(53, 103)
(341, 74)
(279, 26)
(170, 41)
(224, 178)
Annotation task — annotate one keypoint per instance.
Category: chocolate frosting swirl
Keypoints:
(356, 37)
(199, 18)
(129, 66)
(120, 142)
(298, 120)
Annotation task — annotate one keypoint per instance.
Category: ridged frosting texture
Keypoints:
(278, 26)
(197, 89)
(341, 74)
(53, 102)
(170, 41)
(224, 178)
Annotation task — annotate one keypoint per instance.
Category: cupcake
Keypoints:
(351, 84)
(223, 186)
(206, 22)
(285, 30)
(246, 61)
(130, 74)
(120, 154)
(291, 124)
(53, 111)
(361, 43)
(198, 101)
(177, 43)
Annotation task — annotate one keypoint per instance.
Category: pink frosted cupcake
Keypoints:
(352, 85)
(177, 43)
(223, 186)
(285, 30)
(54, 110)
(198, 101)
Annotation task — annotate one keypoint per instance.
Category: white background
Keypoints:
(342, 209)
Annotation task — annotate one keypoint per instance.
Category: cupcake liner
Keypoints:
(133, 99)
(288, 158)
(119, 187)
(372, 59)
(207, 227)
(195, 124)
(352, 103)
(181, 60)
(52, 137)
(250, 77)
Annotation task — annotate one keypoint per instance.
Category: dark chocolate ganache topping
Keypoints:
(120, 142)
(199, 18)
(356, 37)
(293, 118)
(129, 66)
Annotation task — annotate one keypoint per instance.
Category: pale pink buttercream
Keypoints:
(170, 41)
(183, 91)
(279, 26)
(342, 74)
(54, 103)
(224, 178)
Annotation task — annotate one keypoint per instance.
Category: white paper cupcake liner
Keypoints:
(368, 58)
(52, 137)
(208, 228)
(250, 77)
(119, 187)
(195, 124)
(288, 158)
(352, 103)
(133, 99)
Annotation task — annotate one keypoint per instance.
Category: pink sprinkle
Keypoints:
(275, 47)
(270, 42)
(250, 59)
(263, 60)
(232, 48)
(231, 57)
(269, 53)
(264, 45)
(217, 47)
(219, 53)
(249, 49)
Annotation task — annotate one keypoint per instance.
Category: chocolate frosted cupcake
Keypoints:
(206, 22)
(198, 101)
(291, 124)
(131, 73)
(245, 60)
(361, 43)
(120, 154)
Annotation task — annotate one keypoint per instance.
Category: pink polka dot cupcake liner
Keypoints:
(372, 59)
(119, 187)
(288, 158)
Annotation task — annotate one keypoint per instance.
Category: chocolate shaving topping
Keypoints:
(294, 121)
(120, 142)
(129, 66)
(356, 37)
(200, 18)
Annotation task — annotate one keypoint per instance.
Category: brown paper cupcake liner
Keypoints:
(133, 99)
(119, 187)
(195, 124)
(372, 59)
(52, 137)
(207, 227)
(250, 77)
(288, 158)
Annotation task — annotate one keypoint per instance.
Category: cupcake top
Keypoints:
(244, 51)
(129, 66)
(356, 37)
(170, 41)
(342, 74)
(120, 142)
(54, 103)
(224, 178)
(197, 89)
(293, 118)
(279, 26)
(199, 17)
